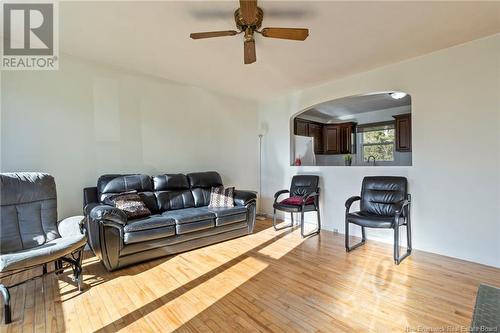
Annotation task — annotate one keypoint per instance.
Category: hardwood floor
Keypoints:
(268, 281)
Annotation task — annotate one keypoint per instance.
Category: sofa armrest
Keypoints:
(88, 208)
(71, 226)
(243, 198)
(89, 195)
(105, 233)
(105, 213)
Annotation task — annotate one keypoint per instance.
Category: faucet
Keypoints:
(369, 157)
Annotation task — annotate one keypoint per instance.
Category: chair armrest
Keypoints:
(243, 198)
(277, 194)
(350, 201)
(71, 226)
(309, 195)
(105, 213)
(400, 206)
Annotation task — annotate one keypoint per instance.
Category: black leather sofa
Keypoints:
(180, 220)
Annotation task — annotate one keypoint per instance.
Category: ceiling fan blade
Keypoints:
(249, 50)
(248, 10)
(286, 33)
(210, 34)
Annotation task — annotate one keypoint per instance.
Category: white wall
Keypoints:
(86, 120)
(455, 177)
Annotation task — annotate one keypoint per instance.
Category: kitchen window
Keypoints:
(377, 142)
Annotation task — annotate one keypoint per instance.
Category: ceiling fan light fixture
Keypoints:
(397, 94)
(248, 18)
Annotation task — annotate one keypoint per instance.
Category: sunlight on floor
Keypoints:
(285, 244)
(196, 300)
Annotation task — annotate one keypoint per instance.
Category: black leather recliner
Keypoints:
(180, 219)
(304, 197)
(384, 203)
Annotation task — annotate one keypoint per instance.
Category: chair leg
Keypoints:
(396, 245)
(58, 265)
(397, 258)
(79, 270)
(6, 301)
(76, 265)
(291, 217)
(302, 226)
(349, 248)
(274, 222)
(408, 235)
(319, 219)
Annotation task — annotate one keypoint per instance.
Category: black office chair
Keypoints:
(384, 203)
(304, 197)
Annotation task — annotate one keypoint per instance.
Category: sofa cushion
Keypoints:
(150, 222)
(220, 212)
(149, 234)
(170, 200)
(189, 215)
(172, 192)
(229, 219)
(185, 228)
(108, 185)
(148, 228)
(207, 179)
(169, 182)
(123, 183)
(201, 184)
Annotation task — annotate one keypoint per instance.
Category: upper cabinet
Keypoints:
(301, 127)
(331, 139)
(309, 128)
(339, 138)
(328, 138)
(403, 132)
(348, 138)
(316, 131)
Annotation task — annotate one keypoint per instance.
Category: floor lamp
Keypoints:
(260, 215)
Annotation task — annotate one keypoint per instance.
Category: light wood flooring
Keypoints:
(268, 281)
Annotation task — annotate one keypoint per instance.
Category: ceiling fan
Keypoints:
(248, 21)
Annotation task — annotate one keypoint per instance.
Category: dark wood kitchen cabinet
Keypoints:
(403, 132)
(339, 138)
(301, 127)
(331, 139)
(312, 129)
(348, 138)
(316, 131)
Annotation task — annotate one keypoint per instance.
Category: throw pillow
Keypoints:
(221, 197)
(131, 203)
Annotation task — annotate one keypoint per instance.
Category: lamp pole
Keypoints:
(259, 214)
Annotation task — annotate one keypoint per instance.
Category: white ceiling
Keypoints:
(353, 105)
(345, 38)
